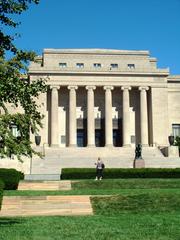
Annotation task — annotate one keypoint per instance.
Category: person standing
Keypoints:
(99, 169)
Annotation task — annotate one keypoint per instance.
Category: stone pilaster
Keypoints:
(126, 116)
(143, 115)
(90, 116)
(54, 116)
(108, 116)
(72, 116)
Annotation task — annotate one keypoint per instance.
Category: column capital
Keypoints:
(108, 87)
(54, 87)
(90, 87)
(126, 88)
(73, 87)
(144, 88)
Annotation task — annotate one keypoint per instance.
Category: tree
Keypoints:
(177, 142)
(16, 90)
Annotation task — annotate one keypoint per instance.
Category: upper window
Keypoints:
(97, 65)
(79, 65)
(131, 66)
(63, 65)
(176, 130)
(114, 65)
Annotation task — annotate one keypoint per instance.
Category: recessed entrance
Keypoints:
(99, 138)
(81, 138)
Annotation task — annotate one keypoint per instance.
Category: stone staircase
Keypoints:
(57, 158)
(45, 185)
(116, 157)
(49, 167)
(45, 206)
(166, 162)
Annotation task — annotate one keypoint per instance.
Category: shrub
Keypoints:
(89, 173)
(1, 191)
(10, 177)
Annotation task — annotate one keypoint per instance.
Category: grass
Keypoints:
(139, 203)
(147, 226)
(109, 187)
(146, 209)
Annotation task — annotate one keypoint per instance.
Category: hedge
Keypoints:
(1, 191)
(10, 177)
(89, 173)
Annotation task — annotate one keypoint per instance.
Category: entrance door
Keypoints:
(117, 138)
(99, 138)
(81, 138)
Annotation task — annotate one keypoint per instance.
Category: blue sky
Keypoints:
(152, 25)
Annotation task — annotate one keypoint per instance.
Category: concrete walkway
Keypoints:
(45, 206)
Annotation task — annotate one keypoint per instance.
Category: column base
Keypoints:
(54, 145)
(72, 145)
(126, 145)
(109, 145)
(91, 145)
(145, 145)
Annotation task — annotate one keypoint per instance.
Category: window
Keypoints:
(114, 65)
(79, 65)
(176, 130)
(97, 65)
(131, 66)
(63, 65)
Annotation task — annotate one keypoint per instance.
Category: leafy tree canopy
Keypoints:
(16, 90)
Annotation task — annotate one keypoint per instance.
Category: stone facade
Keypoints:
(101, 103)
(123, 91)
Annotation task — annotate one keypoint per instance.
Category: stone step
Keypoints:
(44, 185)
(41, 176)
(45, 205)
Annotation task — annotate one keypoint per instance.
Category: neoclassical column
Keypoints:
(72, 116)
(143, 116)
(126, 117)
(90, 116)
(54, 116)
(108, 116)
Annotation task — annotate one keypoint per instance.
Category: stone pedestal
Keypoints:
(172, 151)
(139, 163)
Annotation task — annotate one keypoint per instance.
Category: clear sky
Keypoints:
(152, 25)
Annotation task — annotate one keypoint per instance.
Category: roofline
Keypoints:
(96, 51)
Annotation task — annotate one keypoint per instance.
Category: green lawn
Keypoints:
(109, 187)
(136, 209)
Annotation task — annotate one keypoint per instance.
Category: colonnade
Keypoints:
(90, 116)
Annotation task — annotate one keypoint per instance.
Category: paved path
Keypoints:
(45, 206)
(44, 185)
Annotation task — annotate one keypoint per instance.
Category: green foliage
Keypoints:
(9, 8)
(89, 173)
(10, 177)
(177, 141)
(16, 89)
(1, 191)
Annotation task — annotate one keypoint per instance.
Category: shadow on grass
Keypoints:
(6, 222)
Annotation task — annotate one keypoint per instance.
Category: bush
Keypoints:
(1, 191)
(10, 177)
(89, 173)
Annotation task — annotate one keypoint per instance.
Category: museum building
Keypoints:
(105, 98)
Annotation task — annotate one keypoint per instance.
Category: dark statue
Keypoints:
(138, 151)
